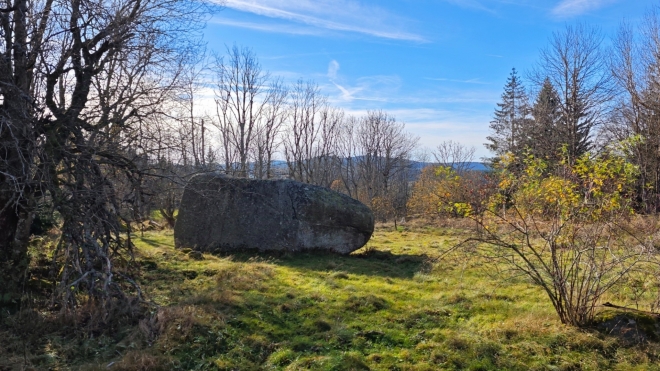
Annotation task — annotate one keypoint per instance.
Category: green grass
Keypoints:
(390, 306)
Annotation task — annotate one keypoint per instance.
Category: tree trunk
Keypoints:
(168, 215)
(13, 252)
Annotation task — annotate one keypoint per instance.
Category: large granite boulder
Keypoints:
(220, 213)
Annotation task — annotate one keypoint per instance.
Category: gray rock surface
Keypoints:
(220, 213)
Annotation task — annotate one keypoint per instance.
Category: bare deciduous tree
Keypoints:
(311, 139)
(193, 125)
(576, 65)
(374, 162)
(636, 68)
(385, 150)
(268, 134)
(455, 155)
(347, 148)
(242, 96)
(79, 79)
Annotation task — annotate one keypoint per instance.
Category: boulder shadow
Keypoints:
(369, 262)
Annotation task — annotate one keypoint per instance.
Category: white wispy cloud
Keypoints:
(333, 68)
(347, 93)
(377, 88)
(571, 8)
(335, 15)
(270, 27)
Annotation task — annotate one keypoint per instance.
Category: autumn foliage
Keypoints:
(440, 191)
(570, 230)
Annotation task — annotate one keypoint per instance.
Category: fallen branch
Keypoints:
(610, 305)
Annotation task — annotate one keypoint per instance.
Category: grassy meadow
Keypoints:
(400, 303)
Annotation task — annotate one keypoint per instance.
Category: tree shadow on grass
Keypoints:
(370, 262)
(154, 242)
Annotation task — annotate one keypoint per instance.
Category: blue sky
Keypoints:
(437, 65)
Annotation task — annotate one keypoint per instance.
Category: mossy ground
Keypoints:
(390, 306)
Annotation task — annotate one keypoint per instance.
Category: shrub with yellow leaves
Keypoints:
(568, 230)
(440, 191)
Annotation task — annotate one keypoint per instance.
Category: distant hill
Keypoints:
(478, 166)
(418, 165)
(475, 166)
(281, 170)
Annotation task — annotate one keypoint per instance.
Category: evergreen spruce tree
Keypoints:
(510, 125)
(545, 137)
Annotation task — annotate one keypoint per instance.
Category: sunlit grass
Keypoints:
(406, 301)
(389, 306)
